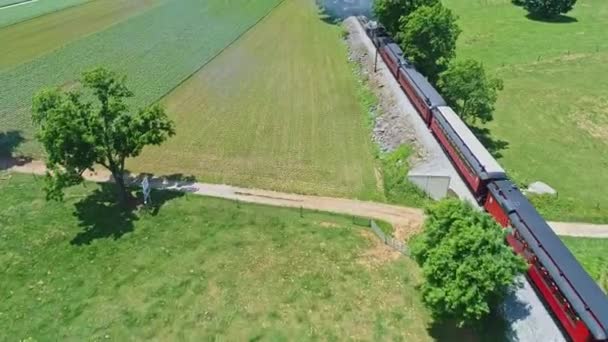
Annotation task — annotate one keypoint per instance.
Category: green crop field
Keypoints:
(24, 41)
(553, 113)
(593, 254)
(156, 50)
(280, 109)
(16, 14)
(199, 269)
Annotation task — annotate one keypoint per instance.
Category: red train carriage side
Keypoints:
(421, 93)
(573, 297)
(389, 54)
(474, 163)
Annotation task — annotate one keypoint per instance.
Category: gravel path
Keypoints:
(408, 220)
(396, 215)
(580, 229)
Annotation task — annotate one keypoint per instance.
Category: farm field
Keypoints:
(199, 269)
(156, 50)
(280, 109)
(16, 14)
(26, 40)
(553, 112)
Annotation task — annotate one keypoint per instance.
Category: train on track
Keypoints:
(571, 295)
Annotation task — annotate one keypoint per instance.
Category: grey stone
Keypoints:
(540, 188)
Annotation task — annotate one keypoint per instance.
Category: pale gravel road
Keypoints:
(397, 215)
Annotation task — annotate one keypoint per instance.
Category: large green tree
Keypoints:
(388, 12)
(466, 88)
(548, 8)
(79, 134)
(428, 38)
(467, 266)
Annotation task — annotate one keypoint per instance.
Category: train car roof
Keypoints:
(424, 87)
(586, 297)
(396, 52)
(490, 166)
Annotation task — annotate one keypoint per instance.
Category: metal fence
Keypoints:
(389, 240)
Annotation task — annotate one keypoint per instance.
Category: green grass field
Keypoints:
(156, 50)
(198, 269)
(280, 109)
(27, 40)
(23, 12)
(553, 112)
(593, 254)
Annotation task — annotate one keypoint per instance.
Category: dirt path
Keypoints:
(406, 220)
(580, 229)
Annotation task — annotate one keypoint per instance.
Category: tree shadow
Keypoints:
(494, 146)
(9, 141)
(559, 19)
(492, 329)
(101, 216)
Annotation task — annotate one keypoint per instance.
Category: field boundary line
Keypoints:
(238, 37)
(47, 13)
(18, 3)
(390, 241)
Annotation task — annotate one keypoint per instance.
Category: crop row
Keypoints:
(156, 50)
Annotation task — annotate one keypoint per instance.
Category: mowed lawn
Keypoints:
(593, 255)
(29, 39)
(200, 269)
(553, 112)
(280, 109)
(156, 49)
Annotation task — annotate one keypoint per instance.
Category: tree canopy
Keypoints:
(548, 8)
(79, 134)
(469, 91)
(388, 12)
(428, 37)
(466, 264)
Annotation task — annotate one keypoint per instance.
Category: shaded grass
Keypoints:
(24, 41)
(280, 109)
(201, 268)
(553, 111)
(156, 50)
(593, 255)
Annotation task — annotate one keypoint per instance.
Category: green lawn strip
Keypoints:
(6, 3)
(23, 12)
(397, 187)
(593, 255)
(280, 109)
(157, 51)
(27, 40)
(200, 268)
(553, 112)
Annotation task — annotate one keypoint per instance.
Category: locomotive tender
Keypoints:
(572, 296)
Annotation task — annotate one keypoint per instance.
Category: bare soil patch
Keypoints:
(592, 117)
(378, 253)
